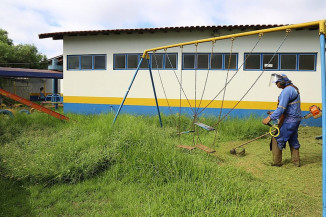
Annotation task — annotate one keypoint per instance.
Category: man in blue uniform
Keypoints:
(288, 113)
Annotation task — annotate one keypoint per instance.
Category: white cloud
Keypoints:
(24, 20)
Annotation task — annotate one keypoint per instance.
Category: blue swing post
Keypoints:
(124, 99)
(132, 81)
(154, 91)
(323, 88)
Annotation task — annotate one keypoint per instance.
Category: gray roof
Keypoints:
(60, 35)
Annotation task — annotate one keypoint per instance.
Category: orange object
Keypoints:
(315, 110)
(33, 105)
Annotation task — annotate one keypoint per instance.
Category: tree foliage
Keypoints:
(21, 55)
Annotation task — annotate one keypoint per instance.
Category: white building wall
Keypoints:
(114, 83)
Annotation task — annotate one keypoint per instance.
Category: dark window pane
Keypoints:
(232, 62)
(144, 63)
(288, 61)
(307, 62)
(216, 62)
(132, 61)
(99, 62)
(189, 61)
(202, 61)
(157, 61)
(270, 61)
(86, 62)
(252, 61)
(171, 61)
(73, 62)
(120, 61)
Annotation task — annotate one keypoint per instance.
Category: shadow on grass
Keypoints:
(14, 199)
(312, 159)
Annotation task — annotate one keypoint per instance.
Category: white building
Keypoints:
(99, 65)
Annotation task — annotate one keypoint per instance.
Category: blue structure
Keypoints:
(323, 79)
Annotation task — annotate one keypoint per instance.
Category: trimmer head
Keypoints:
(238, 151)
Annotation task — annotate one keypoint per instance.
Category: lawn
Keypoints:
(87, 167)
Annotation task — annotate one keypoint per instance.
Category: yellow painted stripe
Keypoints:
(176, 102)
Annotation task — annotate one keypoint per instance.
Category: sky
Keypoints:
(24, 20)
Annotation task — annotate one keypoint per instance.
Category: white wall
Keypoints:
(114, 83)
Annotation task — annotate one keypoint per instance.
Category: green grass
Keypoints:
(86, 167)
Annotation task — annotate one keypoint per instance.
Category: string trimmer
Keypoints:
(239, 150)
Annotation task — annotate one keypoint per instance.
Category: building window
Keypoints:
(86, 62)
(230, 60)
(158, 61)
(119, 61)
(252, 61)
(202, 61)
(307, 61)
(73, 62)
(215, 61)
(170, 61)
(288, 62)
(270, 61)
(99, 62)
(189, 61)
(280, 61)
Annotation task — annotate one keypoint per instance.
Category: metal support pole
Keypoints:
(55, 91)
(124, 99)
(154, 91)
(323, 88)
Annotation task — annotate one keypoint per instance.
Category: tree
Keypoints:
(4, 37)
(21, 55)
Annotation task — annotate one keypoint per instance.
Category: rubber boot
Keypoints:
(277, 153)
(295, 156)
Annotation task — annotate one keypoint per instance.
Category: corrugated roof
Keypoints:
(29, 73)
(59, 35)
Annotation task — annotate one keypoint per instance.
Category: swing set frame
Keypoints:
(145, 55)
(320, 24)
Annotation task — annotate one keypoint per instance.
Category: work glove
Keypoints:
(266, 120)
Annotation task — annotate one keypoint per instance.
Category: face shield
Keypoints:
(274, 78)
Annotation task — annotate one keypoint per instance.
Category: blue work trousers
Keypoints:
(288, 133)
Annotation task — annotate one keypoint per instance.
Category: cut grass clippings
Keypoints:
(86, 167)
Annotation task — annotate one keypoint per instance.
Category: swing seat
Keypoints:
(185, 132)
(205, 148)
(204, 126)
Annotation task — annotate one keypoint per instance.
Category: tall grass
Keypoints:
(42, 149)
(133, 168)
(39, 149)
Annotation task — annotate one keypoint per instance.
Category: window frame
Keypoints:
(80, 63)
(315, 61)
(150, 58)
(279, 56)
(224, 67)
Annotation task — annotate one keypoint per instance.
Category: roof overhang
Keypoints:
(29, 73)
(60, 35)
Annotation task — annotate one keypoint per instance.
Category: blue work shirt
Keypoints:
(289, 105)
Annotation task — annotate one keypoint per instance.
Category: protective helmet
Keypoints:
(282, 78)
